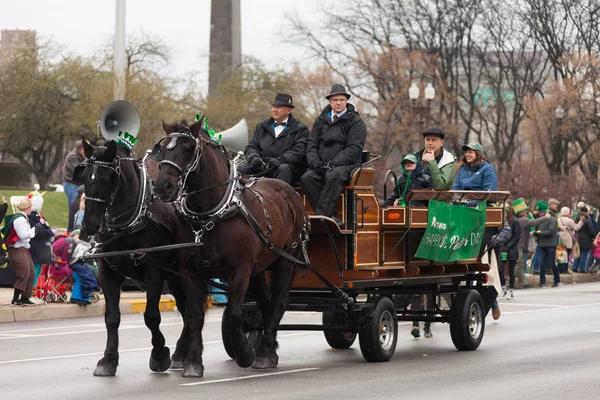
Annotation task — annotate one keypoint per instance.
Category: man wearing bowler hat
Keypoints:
(333, 150)
(278, 146)
(439, 162)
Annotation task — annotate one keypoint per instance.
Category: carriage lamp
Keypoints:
(421, 110)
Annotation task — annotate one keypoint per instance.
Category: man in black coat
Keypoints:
(278, 146)
(585, 237)
(333, 150)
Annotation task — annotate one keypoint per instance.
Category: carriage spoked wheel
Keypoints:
(378, 330)
(337, 339)
(467, 320)
(252, 327)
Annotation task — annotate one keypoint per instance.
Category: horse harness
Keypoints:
(231, 203)
(138, 221)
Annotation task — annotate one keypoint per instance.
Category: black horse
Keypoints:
(245, 227)
(123, 214)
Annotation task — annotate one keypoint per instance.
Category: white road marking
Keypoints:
(131, 350)
(242, 378)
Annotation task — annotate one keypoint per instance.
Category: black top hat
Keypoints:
(434, 132)
(283, 99)
(338, 89)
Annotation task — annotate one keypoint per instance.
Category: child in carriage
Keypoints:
(68, 252)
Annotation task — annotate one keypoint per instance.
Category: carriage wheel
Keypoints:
(337, 339)
(467, 320)
(378, 331)
(94, 298)
(252, 327)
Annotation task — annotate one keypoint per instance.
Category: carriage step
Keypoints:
(322, 225)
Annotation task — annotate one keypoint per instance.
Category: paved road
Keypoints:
(545, 346)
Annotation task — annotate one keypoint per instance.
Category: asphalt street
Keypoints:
(546, 345)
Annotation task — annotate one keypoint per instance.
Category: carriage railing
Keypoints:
(458, 195)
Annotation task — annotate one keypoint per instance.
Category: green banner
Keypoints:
(453, 232)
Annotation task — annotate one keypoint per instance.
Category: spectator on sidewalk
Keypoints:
(17, 234)
(547, 243)
(585, 237)
(74, 158)
(521, 210)
(41, 250)
(73, 208)
(567, 228)
(553, 206)
(512, 251)
(595, 255)
(78, 218)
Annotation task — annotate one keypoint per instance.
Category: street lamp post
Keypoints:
(421, 109)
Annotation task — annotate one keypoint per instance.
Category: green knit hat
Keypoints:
(519, 205)
(541, 206)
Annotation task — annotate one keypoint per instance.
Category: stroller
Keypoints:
(58, 277)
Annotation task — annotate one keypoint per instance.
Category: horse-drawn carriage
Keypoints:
(263, 238)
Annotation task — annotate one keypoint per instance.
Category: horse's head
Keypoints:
(100, 177)
(180, 153)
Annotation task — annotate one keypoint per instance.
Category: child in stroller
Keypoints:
(67, 257)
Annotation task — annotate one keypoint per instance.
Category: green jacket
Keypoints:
(442, 169)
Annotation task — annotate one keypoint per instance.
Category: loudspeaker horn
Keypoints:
(118, 116)
(236, 137)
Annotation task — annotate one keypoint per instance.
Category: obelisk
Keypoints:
(225, 41)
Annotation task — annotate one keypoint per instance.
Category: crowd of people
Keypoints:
(37, 253)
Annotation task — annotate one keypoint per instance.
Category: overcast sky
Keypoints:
(83, 26)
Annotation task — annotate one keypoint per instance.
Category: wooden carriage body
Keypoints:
(380, 243)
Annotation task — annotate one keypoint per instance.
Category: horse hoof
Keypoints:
(162, 361)
(246, 359)
(176, 364)
(193, 371)
(264, 363)
(105, 370)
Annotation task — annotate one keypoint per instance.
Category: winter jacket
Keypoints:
(72, 160)
(442, 169)
(62, 258)
(289, 147)
(338, 143)
(586, 235)
(566, 235)
(421, 181)
(512, 246)
(482, 177)
(17, 232)
(596, 250)
(525, 223)
(41, 251)
(547, 233)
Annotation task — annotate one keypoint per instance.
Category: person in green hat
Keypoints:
(475, 173)
(413, 177)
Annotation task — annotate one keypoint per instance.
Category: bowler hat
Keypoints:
(283, 99)
(338, 89)
(434, 132)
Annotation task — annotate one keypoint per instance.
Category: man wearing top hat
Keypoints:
(439, 162)
(278, 146)
(333, 150)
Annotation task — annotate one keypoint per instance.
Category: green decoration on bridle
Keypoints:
(126, 139)
(211, 132)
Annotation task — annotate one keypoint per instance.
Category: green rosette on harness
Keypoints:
(211, 132)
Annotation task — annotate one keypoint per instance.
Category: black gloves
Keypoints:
(273, 163)
(257, 162)
(317, 165)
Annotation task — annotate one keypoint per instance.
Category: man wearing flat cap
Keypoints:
(333, 150)
(278, 146)
(439, 162)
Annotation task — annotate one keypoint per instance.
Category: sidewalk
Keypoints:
(131, 302)
(135, 302)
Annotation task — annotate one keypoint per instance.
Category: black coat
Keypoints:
(420, 182)
(338, 143)
(41, 249)
(289, 147)
(586, 235)
(512, 246)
